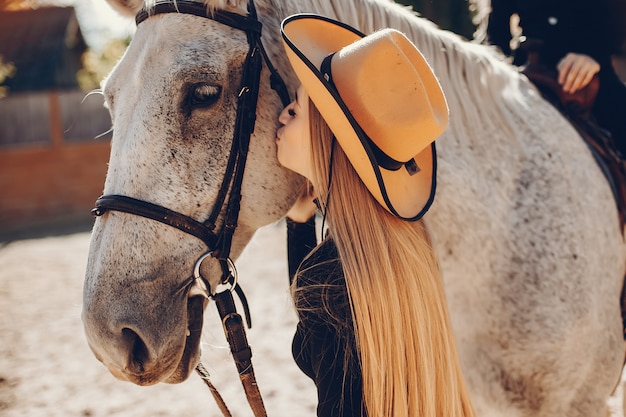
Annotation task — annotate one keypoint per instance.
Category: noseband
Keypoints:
(228, 199)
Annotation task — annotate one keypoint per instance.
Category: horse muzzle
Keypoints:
(157, 346)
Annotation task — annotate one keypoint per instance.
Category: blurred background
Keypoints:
(54, 131)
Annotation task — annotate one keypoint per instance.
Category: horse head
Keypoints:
(173, 102)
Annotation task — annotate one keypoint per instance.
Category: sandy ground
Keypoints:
(47, 369)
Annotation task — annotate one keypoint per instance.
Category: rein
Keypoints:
(229, 196)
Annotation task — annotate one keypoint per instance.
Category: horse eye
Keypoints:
(204, 95)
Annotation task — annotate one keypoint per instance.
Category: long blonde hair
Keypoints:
(402, 331)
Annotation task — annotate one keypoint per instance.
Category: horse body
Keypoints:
(524, 224)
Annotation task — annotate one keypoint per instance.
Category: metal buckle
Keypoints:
(228, 284)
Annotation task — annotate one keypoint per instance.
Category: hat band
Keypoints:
(382, 159)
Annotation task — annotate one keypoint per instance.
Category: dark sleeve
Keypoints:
(321, 350)
(498, 27)
(592, 33)
(300, 241)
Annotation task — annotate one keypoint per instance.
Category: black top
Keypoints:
(564, 25)
(323, 345)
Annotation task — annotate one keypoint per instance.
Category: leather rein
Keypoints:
(229, 195)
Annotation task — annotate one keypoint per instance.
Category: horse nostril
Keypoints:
(138, 351)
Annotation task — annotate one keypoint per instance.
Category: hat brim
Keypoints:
(308, 40)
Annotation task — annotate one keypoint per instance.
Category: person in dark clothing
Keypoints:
(578, 40)
(373, 332)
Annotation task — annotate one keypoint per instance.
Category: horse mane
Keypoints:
(484, 92)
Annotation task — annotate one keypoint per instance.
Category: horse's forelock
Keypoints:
(231, 5)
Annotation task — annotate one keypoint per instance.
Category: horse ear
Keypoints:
(126, 7)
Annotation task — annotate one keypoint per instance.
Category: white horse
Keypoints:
(524, 223)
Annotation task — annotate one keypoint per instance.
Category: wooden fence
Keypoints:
(54, 149)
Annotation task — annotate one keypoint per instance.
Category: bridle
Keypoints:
(228, 199)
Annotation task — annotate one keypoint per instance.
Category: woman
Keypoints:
(374, 332)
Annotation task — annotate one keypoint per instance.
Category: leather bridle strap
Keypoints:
(219, 244)
(155, 212)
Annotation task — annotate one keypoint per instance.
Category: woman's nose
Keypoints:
(283, 118)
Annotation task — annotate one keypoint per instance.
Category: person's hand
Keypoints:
(576, 71)
(304, 207)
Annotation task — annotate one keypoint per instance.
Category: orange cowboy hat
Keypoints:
(382, 102)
